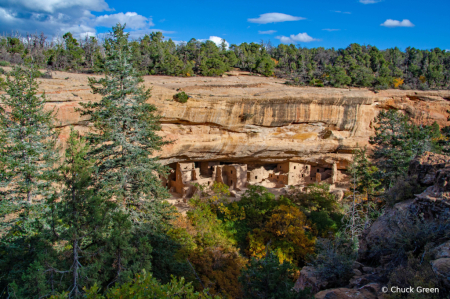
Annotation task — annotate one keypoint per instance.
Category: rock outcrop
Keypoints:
(255, 119)
(423, 220)
(432, 206)
(308, 279)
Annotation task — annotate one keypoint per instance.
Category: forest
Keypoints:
(92, 222)
(355, 66)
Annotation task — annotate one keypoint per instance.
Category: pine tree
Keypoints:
(27, 151)
(364, 171)
(124, 139)
(123, 143)
(85, 215)
(396, 142)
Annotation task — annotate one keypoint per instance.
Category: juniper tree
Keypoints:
(396, 142)
(27, 150)
(124, 138)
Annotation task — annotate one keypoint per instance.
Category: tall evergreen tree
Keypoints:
(364, 172)
(123, 144)
(27, 169)
(85, 215)
(124, 139)
(27, 151)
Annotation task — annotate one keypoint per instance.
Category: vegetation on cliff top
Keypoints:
(357, 65)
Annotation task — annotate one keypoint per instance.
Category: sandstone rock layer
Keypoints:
(256, 119)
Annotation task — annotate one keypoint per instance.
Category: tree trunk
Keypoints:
(75, 268)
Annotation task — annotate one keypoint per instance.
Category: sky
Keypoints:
(319, 23)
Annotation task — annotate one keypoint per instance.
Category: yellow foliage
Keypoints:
(232, 213)
(219, 269)
(397, 82)
(257, 243)
(274, 60)
(423, 79)
(285, 234)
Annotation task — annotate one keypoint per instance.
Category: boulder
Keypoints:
(442, 269)
(442, 251)
(427, 167)
(308, 279)
(367, 292)
(338, 194)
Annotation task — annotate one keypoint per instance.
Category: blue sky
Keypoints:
(320, 23)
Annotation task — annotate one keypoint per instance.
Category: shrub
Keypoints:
(181, 97)
(268, 278)
(4, 63)
(316, 197)
(334, 260)
(146, 286)
(410, 235)
(46, 75)
(415, 273)
(403, 189)
(247, 116)
(324, 223)
(218, 269)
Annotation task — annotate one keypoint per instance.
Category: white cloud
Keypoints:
(344, 12)
(331, 30)
(301, 37)
(394, 23)
(267, 32)
(218, 41)
(52, 6)
(369, 1)
(274, 17)
(56, 17)
(132, 19)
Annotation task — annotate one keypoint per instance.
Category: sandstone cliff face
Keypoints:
(304, 124)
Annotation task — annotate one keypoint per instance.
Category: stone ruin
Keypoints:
(185, 176)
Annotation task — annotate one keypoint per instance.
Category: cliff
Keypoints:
(256, 119)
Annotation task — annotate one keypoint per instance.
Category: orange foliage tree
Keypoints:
(286, 233)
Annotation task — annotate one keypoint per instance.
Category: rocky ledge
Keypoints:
(248, 119)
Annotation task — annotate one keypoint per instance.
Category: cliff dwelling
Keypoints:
(185, 176)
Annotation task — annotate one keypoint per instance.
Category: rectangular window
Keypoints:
(295, 167)
(232, 172)
(256, 177)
